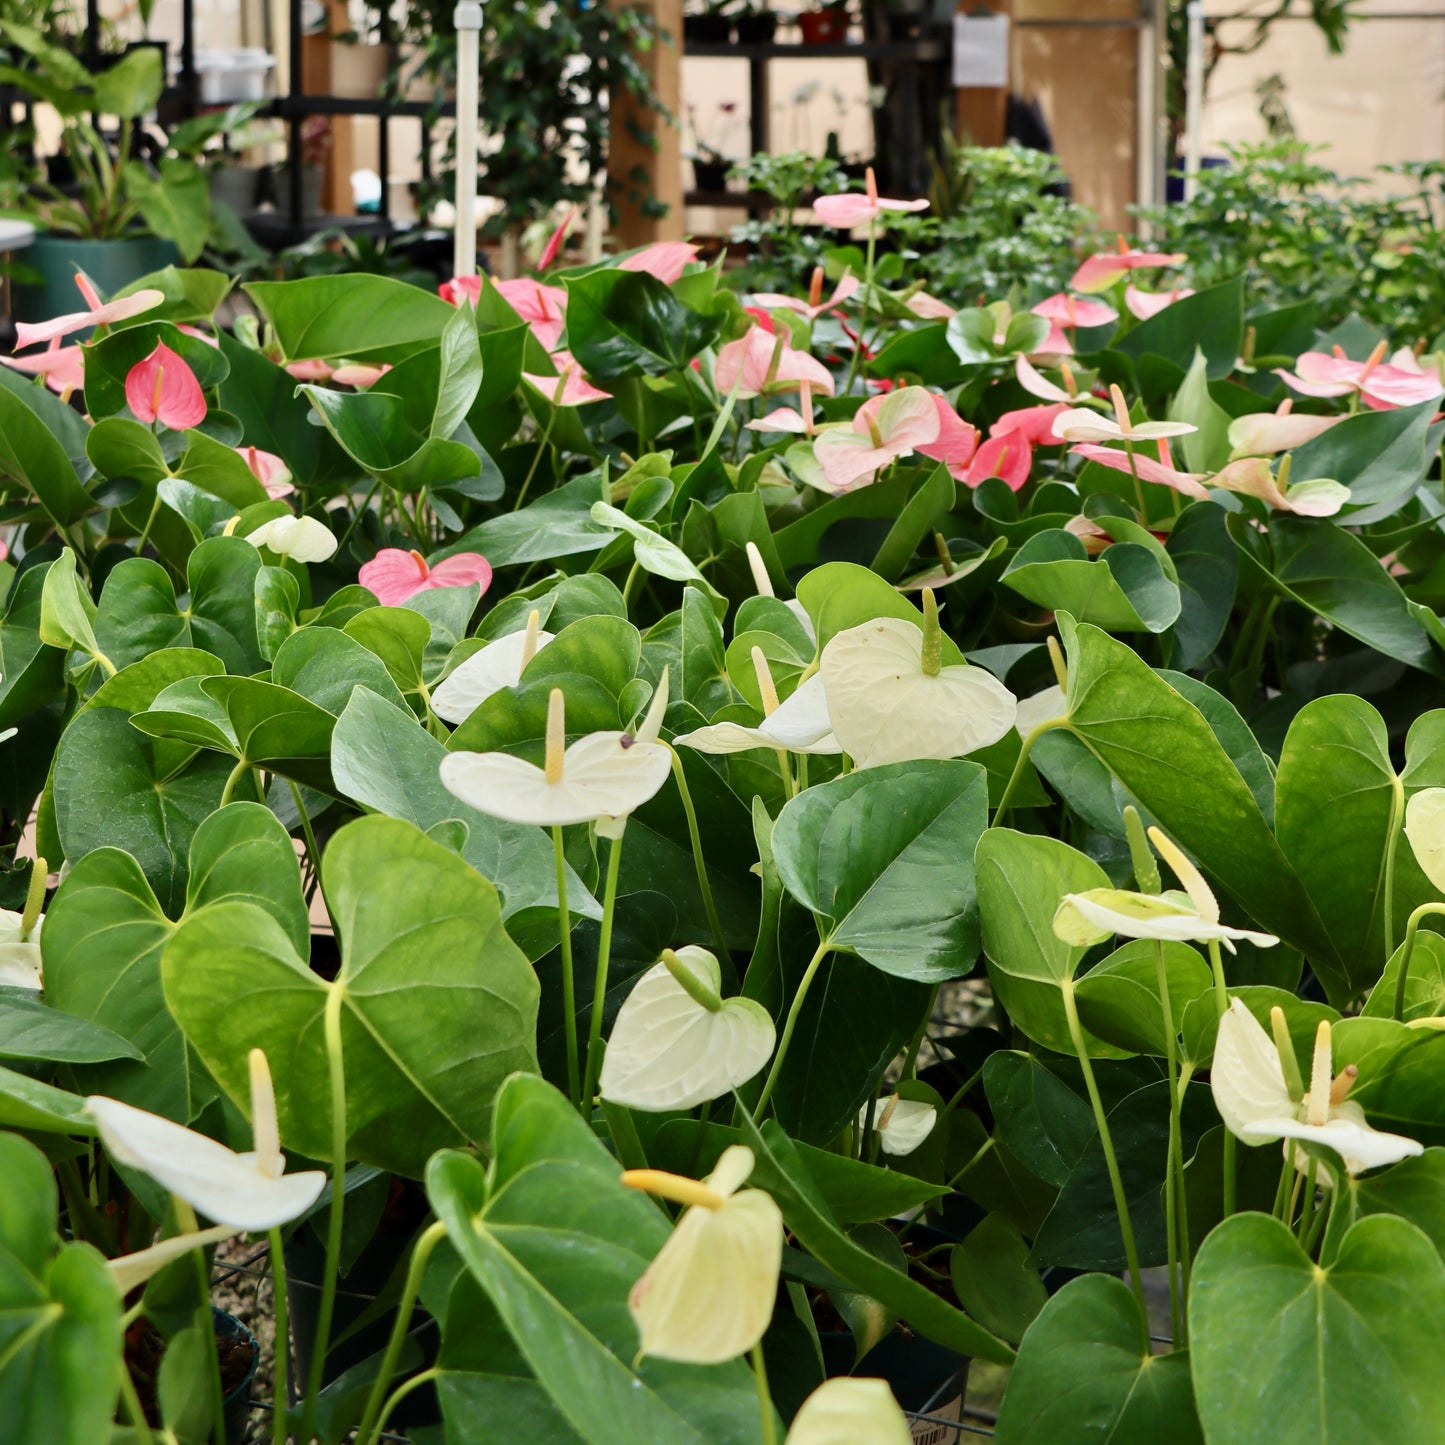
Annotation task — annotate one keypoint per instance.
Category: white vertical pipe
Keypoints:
(469, 29)
(1146, 133)
(1194, 98)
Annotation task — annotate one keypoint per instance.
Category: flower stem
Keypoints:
(1221, 997)
(1392, 847)
(863, 307)
(1407, 948)
(1016, 777)
(401, 1392)
(335, 1000)
(1178, 1244)
(1111, 1162)
(541, 448)
(134, 1408)
(599, 983)
(765, 1398)
(420, 1254)
(791, 1024)
(569, 991)
(186, 1219)
(699, 862)
(280, 1395)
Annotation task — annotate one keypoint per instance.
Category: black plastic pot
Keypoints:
(923, 1376)
(757, 27)
(707, 29)
(237, 1405)
(711, 175)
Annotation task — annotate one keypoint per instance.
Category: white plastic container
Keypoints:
(229, 76)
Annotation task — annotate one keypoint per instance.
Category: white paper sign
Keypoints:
(980, 50)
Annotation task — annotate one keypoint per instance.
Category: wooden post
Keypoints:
(638, 172)
(981, 112)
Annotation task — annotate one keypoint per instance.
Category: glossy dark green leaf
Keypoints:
(1120, 999)
(558, 524)
(1124, 589)
(360, 317)
(1041, 1120)
(626, 323)
(993, 1282)
(1211, 321)
(1349, 1354)
(1205, 559)
(882, 857)
(1086, 1369)
(32, 457)
(31, 673)
(30, 1029)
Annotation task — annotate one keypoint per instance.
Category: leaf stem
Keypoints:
(765, 1399)
(569, 989)
(1407, 948)
(599, 983)
(1111, 1162)
(1178, 1241)
(537, 457)
(795, 1009)
(699, 862)
(1221, 996)
(335, 1000)
(1016, 777)
(420, 1254)
(236, 774)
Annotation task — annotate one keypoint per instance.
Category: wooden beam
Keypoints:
(639, 173)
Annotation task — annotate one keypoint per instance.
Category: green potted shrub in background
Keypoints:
(120, 218)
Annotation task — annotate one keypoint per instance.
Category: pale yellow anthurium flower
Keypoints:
(20, 960)
(678, 1043)
(1081, 425)
(764, 583)
(131, 1270)
(244, 1191)
(1252, 477)
(891, 700)
(602, 776)
(1042, 707)
(708, 1296)
(900, 1124)
(798, 725)
(1425, 828)
(1254, 1100)
(303, 539)
(1084, 919)
(499, 664)
(850, 1411)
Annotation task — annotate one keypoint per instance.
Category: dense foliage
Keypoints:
(666, 696)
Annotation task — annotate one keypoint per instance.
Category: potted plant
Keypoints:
(826, 25)
(118, 217)
(710, 161)
(711, 25)
(756, 23)
(316, 138)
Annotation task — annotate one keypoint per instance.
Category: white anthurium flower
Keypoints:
(799, 725)
(243, 1191)
(764, 583)
(678, 1043)
(601, 778)
(303, 539)
(499, 664)
(1254, 1099)
(132, 1270)
(891, 700)
(1042, 707)
(708, 1296)
(848, 1410)
(900, 1124)
(1084, 919)
(20, 961)
(1425, 828)
(1081, 425)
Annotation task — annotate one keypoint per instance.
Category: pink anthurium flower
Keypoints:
(97, 313)
(1381, 385)
(1072, 312)
(814, 306)
(393, 575)
(1102, 270)
(665, 260)
(569, 387)
(928, 308)
(543, 308)
(1145, 304)
(1251, 477)
(63, 367)
(851, 209)
(1265, 433)
(268, 469)
(1163, 472)
(884, 429)
(1035, 423)
(1088, 426)
(785, 419)
(459, 289)
(957, 440)
(311, 369)
(163, 388)
(359, 375)
(758, 363)
(1007, 456)
(554, 244)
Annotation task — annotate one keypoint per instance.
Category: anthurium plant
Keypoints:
(711, 842)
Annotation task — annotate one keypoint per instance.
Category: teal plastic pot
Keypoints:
(110, 264)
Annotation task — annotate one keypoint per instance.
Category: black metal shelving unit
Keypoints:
(924, 61)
